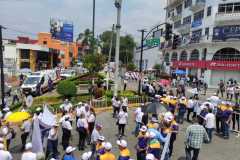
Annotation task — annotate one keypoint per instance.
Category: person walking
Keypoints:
(138, 114)
(122, 120)
(195, 135)
(26, 128)
(190, 108)
(69, 153)
(82, 126)
(66, 132)
(91, 122)
(210, 122)
(28, 154)
(221, 88)
(94, 138)
(52, 142)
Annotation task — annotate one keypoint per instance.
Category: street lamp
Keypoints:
(118, 5)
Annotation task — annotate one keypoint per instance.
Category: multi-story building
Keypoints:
(209, 44)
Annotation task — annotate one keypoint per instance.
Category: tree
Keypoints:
(131, 67)
(127, 46)
(67, 88)
(157, 66)
(94, 62)
(87, 39)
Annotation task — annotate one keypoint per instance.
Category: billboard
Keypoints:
(223, 33)
(61, 30)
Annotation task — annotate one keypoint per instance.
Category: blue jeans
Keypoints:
(138, 125)
(225, 129)
(209, 132)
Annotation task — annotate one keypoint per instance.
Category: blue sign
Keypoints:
(224, 33)
(61, 30)
(196, 23)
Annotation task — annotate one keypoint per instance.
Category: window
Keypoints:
(209, 11)
(199, 15)
(25, 54)
(221, 8)
(237, 7)
(174, 56)
(194, 55)
(187, 3)
(206, 31)
(177, 24)
(187, 20)
(196, 36)
(179, 9)
(45, 42)
(227, 54)
(229, 8)
(183, 56)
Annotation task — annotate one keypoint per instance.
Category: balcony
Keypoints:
(198, 5)
(176, 17)
(227, 18)
(171, 3)
(184, 28)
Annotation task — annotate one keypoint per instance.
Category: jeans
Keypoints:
(235, 118)
(181, 116)
(189, 155)
(52, 151)
(136, 131)
(209, 132)
(121, 128)
(219, 124)
(225, 129)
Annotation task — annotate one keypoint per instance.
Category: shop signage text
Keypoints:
(224, 33)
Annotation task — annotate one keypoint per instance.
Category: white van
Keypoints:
(37, 83)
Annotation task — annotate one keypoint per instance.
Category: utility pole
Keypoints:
(93, 20)
(140, 63)
(109, 55)
(1, 66)
(118, 5)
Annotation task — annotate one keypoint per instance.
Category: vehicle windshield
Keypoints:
(67, 72)
(32, 80)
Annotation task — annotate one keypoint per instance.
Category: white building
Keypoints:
(210, 32)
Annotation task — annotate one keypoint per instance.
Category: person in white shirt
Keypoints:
(138, 114)
(4, 155)
(91, 122)
(52, 142)
(82, 126)
(28, 154)
(190, 107)
(95, 137)
(66, 106)
(116, 106)
(122, 120)
(210, 122)
(66, 132)
(26, 128)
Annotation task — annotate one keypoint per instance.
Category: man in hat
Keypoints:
(181, 109)
(107, 155)
(95, 136)
(66, 131)
(28, 154)
(52, 142)
(142, 143)
(124, 152)
(100, 147)
(152, 122)
(69, 153)
(226, 119)
(4, 155)
(86, 156)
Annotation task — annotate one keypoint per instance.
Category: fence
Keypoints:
(104, 102)
(164, 155)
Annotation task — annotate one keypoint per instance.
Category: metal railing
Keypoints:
(164, 155)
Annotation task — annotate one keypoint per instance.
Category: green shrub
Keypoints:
(67, 88)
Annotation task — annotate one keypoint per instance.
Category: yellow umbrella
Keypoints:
(18, 117)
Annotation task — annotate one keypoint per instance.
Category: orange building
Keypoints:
(68, 51)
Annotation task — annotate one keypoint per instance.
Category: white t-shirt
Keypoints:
(29, 156)
(67, 125)
(82, 123)
(210, 120)
(190, 103)
(53, 134)
(122, 117)
(26, 126)
(66, 107)
(91, 118)
(5, 155)
(95, 135)
(139, 116)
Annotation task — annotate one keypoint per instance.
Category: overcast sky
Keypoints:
(32, 16)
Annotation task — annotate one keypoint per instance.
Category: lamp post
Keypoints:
(118, 5)
(93, 20)
(1, 66)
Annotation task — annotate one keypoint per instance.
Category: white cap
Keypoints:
(150, 157)
(143, 129)
(5, 131)
(86, 156)
(80, 103)
(108, 146)
(6, 109)
(101, 138)
(28, 146)
(38, 109)
(70, 149)
(154, 119)
(1, 146)
(152, 135)
(122, 143)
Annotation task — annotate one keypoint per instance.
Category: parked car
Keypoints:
(65, 74)
(7, 89)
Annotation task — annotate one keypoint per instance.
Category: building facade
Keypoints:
(209, 34)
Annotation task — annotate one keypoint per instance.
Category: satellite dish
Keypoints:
(29, 101)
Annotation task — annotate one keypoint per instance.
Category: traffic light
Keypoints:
(176, 41)
(168, 32)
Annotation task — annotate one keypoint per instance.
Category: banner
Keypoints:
(212, 65)
(224, 33)
(37, 146)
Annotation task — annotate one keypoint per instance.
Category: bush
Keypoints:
(67, 88)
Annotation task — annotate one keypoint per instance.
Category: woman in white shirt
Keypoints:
(122, 121)
(82, 126)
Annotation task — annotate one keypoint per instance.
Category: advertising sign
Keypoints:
(196, 23)
(224, 33)
(212, 65)
(61, 30)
